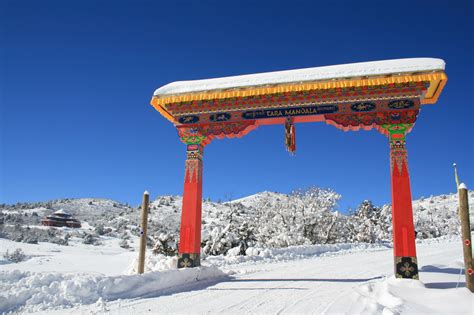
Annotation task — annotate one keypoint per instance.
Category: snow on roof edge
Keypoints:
(60, 211)
(301, 75)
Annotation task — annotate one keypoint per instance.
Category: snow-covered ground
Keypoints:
(107, 259)
(349, 278)
(332, 279)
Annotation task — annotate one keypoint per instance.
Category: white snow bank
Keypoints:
(441, 292)
(153, 262)
(29, 291)
(405, 296)
(359, 69)
(255, 255)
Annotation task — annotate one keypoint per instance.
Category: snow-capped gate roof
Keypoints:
(262, 90)
(360, 69)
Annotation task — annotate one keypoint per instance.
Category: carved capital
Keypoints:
(192, 135)
(398, 153)
(396, 131)
(194, 152)
(193, 169)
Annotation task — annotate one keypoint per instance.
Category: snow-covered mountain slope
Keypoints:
(443, 203)
(231, 224)
(259, 199)
(87, 207)
(82, 208)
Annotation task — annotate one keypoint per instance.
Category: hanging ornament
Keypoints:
(290, 140)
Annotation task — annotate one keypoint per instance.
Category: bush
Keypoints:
(99, 230)
(17, 256)
(30, 239)
(124, 244)
(166, 244)
(89, 239)
(59, 241)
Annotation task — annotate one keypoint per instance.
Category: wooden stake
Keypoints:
(466, 236)
(141, 256)
(456, 175)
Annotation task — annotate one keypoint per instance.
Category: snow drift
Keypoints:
(29, 291)
(405, 296)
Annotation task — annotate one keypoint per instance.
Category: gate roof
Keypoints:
(269, 90)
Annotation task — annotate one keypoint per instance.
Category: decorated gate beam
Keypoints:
(382, 95)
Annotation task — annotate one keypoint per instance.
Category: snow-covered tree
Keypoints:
(165, 244)
(302, 217)
(368, 223)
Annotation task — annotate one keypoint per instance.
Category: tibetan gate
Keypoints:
(385, 95)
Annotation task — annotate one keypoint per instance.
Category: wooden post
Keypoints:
(456, 175)
(466, 236)
(141, 256)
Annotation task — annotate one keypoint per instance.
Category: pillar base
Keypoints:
(406, 267)
(189, 260)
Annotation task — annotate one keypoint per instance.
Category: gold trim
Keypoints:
(434, 91)
(163, 112)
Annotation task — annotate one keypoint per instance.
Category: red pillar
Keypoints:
(190, 234)
(404, 248)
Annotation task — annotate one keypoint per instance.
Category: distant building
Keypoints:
(60, 219)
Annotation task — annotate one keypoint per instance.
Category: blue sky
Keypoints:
(77, 77)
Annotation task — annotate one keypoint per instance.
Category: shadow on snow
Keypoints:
(305, 280)
(442, 269)
(439, 269)
(445, 285)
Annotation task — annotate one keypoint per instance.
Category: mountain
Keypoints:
(259, 199)
(265, 219)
